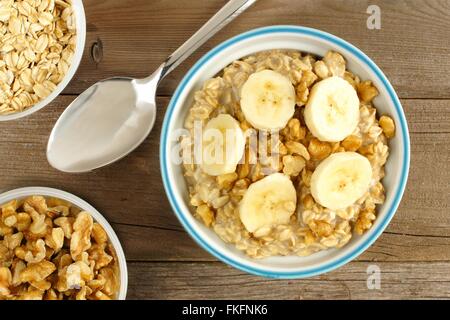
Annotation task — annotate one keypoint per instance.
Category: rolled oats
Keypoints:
(37, 43)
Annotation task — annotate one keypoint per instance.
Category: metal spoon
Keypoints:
(114, 116)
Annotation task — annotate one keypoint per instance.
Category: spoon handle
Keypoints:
(230, 11)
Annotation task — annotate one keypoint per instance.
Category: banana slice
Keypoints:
(341, 179)
(332, 111)
(268, 202)
(223, 144)
(268, 100)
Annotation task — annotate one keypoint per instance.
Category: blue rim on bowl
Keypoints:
(326, 267)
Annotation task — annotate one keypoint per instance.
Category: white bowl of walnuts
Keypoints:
(55, 246)
(42, 44)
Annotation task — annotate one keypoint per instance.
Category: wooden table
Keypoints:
(132, 37)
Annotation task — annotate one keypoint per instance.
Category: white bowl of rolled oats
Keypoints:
(55, 246)
(285, 152)
(42, 43)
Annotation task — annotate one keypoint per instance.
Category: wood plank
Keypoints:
(131, 196)
(201, 281)
(411, 47)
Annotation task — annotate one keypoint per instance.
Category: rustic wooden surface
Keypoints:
(132, 37)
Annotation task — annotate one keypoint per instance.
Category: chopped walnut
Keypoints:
(17, 269)
(308, 201)
(352, 143)
(42, 285)
(83, 293)
(36, 251)
(51, 295)
(55, 239)
(99, 295)
(4, 229)
(5, 282)
(366, 91)
(302, 89)
(293, 165)
(226, 181)
(243, 169)
(309, 238)
(206, 214)
(23, 221)
(319, 150)
(321, 228)
(367, 150)
(97, 283)
(99, 234)
(66, 223)
(37, 271)
(298, 148)
(306, 177)
(294, 131)
(350, 78)
(388, 126)
(335, 63)
(12, 241)
(297, 154)
(98, 254)
(321, 69)
(365, 220)
(9, 215)
(81, 237)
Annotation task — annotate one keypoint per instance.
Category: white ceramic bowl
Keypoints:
(83, 205)
(305, 40)
(81, 39)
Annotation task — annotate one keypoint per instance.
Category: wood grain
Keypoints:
(201, 281)
(138, 35)
(132, 37)
(131, 196)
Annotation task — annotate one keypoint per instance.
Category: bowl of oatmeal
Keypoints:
(55, 246)
(42, 46)
(285, 152)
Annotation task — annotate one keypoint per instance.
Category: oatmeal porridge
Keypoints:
(37, 44)
(302, 170)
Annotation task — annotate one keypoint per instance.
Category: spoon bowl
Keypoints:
(103, 124)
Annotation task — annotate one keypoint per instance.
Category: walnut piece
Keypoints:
(55, 239)
(319, 150)
(99, 234)
(206, 214)
(36, 253)
(66, 223)
(37, 271)
(81, 236)
(293, 165)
